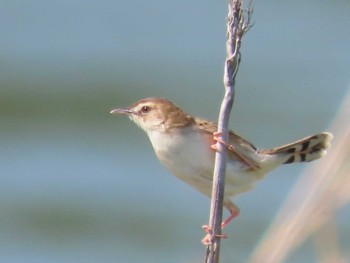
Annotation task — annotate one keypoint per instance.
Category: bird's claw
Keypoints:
(216, 137)
(209, 236)
(231, 148)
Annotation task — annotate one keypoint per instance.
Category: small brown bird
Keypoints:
(183, 144)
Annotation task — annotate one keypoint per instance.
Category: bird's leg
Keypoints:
(231, 148)
(234, 212)
(208, 237)
(216, 137)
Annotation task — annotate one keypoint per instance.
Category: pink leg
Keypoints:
(231, 148)
(207, 239)
(234, 212)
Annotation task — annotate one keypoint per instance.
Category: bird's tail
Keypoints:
(304, 150)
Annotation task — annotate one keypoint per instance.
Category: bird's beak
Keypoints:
(121, 111)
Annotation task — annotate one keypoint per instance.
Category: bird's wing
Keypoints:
(239, 148)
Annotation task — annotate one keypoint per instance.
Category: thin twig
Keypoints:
(238, 23)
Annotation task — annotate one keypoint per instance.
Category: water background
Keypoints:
(80, 185)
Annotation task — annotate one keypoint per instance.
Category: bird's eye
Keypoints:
(145, 109)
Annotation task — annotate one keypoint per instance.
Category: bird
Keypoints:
(185, 146)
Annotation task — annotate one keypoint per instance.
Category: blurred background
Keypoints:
(80, 185)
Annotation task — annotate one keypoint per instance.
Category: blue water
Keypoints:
(78, 185)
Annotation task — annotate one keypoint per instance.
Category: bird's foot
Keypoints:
(216, 137)
(250, 163)
(209, 236)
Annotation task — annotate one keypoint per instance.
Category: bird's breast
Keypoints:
(189, 157)
(184, 153)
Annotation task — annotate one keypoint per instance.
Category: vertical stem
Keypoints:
(237, 25)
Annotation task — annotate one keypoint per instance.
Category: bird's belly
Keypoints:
(189, 158)
(192, 161)
(241, 180)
